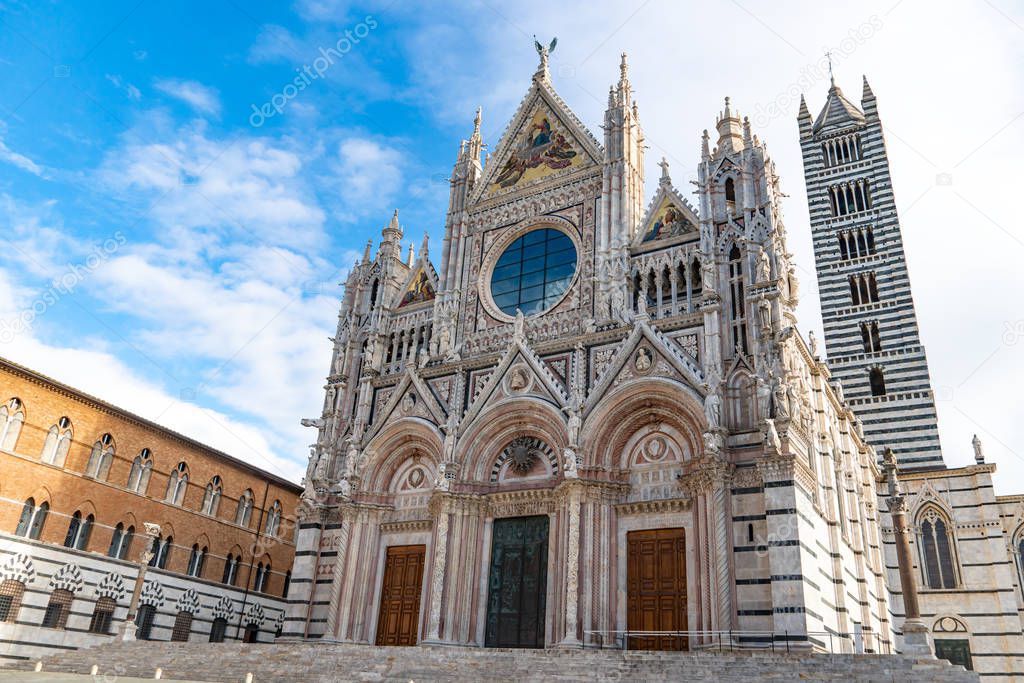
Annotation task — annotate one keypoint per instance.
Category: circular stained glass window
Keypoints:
(534, 272)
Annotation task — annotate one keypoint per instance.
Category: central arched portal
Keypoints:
(517, 582)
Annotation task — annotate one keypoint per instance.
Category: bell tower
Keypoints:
(874, 346)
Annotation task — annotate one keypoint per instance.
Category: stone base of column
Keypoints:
(127, 630)
(443, 643)
(569, 643)
(917, 639)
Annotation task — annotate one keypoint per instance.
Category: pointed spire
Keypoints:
(411, 258)
(748, 136)
(705, 147)
(391, 245)
(475, 144)
(423, 246)
(611, 96)
(804, 111)
(366, 254)
(625, 89)
(867, 94)
(730, 131)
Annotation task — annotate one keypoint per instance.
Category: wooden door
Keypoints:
(517, 583)
(656, 588)
(398, 623)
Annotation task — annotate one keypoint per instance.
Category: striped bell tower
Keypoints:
(871, 334)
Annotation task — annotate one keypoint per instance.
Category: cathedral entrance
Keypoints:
(656, 588)
(399, 618)
(517, 583)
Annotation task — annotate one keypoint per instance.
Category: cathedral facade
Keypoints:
(590, 420)
(594, 414)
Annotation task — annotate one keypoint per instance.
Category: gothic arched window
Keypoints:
(58, 442)
(274, 519)
(101, 458)
(738, 303)
(79, 530)
(937, 561)
(196, 560)
(177, 484)
(730, 193)
(30, 525)
(211, 498)
(12, 417)
(121, 541)
(244, 512)
(142, 467)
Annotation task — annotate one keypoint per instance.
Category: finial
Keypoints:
(476, 121)
(665, 179)
(410, 259)
(979, 455)
(394, 221)
(624, 67)
(705, 147)
(727, 114)
(423, 246)
(831, 76)
(543, 52)
(366, 254)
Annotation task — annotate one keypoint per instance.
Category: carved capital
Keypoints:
(706, 475)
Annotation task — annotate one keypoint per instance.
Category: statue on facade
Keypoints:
(780, 399)
(812, 343)
(764, 266)
(772, 441)
(519, 327)
(442, 482)
(570, 465)
(713, 409)
(707, 273)
(979, 455)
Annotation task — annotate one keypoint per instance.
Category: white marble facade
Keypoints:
(662, 384)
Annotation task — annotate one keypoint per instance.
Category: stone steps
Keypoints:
(314, 662)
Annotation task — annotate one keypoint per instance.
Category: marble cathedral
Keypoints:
(591, 413)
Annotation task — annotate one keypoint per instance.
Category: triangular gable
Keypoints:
(543, 139)
(538, 381)
(688, 371)
(424, 404)
(421, 286)
(668, 216)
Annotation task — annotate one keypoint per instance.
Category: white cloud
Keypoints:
(19, 160)
(249, 186)
(204, 99)
(369, 174)
(129, 90)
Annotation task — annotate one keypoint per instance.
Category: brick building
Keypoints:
(80, 477)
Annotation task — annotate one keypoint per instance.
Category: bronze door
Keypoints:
(399, 619)
(517, 583)
(656, 588)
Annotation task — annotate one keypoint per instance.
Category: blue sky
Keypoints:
(164, 253)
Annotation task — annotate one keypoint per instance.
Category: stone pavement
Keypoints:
(44, 677)
(321, 662)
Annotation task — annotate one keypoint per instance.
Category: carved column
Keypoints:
(440, 511)
(707, 484)
(916, 637)
(573, 491)
(338, 573)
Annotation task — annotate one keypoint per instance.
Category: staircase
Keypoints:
(299, 662)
